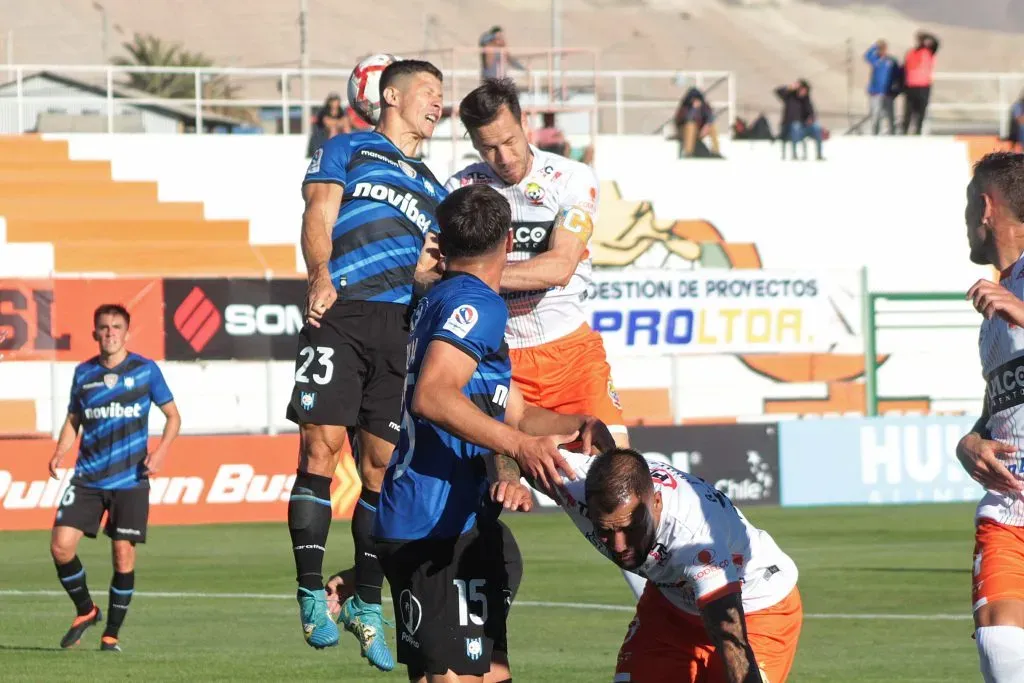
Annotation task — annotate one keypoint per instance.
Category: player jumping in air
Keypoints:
(990, 452)
(369, 202)
(453, 567)
(721, 603)
(111, 395)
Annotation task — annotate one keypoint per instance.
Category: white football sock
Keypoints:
(1001, 649)
(636, 583)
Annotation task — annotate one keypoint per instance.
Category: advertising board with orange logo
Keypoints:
(206, 480)
(52, 319)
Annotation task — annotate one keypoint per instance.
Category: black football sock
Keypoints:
(122, 586)
(309, 521)
(369, 575)
(72, 576)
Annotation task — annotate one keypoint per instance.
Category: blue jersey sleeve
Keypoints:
(159, 392)
(474, 322)
(330, 163)
(75, 403)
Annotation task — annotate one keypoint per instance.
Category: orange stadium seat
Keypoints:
(217, 259)
(17, 416)
(124, 230)
(99, 225)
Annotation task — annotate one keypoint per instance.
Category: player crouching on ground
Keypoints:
(721, 603)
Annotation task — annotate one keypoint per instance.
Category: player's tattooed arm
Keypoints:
(506, 487)
(727, 628)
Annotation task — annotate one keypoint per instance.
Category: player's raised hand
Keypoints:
(992, 299)
(595, 436)
(983, 460)
(541, 463)
(512, 495)
(320, 296)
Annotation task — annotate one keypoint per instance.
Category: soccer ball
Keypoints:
(364, 85)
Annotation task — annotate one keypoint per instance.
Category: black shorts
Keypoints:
(452, 598)
(350, 371)
(127, 512)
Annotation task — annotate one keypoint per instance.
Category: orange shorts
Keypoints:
(998, 563)
(569, 375)
(666, 644)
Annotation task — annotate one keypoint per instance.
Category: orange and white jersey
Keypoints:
(553, 187)
(1001, 345)
(704, 548)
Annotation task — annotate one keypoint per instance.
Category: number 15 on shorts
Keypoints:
(471, 592)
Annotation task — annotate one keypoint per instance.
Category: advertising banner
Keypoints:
(240, 319)
(712, 311)
(52, 319)
(206, 480)
(740, 460)
(874, 460)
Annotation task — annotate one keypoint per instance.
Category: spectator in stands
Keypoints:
(694, 121)
(331, 120)
(1017, 122)
(550, 138)
(496, 60)
(798, 118)
(883, 86)
(918, 68)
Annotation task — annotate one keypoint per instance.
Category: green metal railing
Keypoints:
(871, 331)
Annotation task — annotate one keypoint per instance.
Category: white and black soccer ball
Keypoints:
(364, 85)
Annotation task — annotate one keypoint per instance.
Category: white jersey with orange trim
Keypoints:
(554, 185)
(704, 548)
(1001, 345)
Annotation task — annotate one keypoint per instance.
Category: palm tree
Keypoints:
(148, 50)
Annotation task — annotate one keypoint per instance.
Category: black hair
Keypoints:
(111, 309)
(616, 475)
(1003, 172)
(481, 106)
(405, 67)
(474, 220)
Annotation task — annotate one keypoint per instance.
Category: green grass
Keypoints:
(910, 560)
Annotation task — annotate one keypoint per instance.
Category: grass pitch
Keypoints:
(886, 591)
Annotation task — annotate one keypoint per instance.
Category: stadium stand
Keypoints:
(95, 222)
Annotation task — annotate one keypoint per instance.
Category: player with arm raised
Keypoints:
(369, 202)
(111, 395)
(452, 566)
(721, 603)
(990, 452)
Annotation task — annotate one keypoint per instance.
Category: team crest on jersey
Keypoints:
(129, 382)
(407, 169)
(307, 399)
(462, 320)
(535, 193)
(314, 163)
(614, 395)
(428, 187)
(474, 648)
(110, 380)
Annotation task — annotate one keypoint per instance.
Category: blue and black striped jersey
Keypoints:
(388, 206)
(436, 484)
(113, 407)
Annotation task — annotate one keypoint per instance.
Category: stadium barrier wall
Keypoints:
(874, 460)
(225, 479)
(207, 480)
